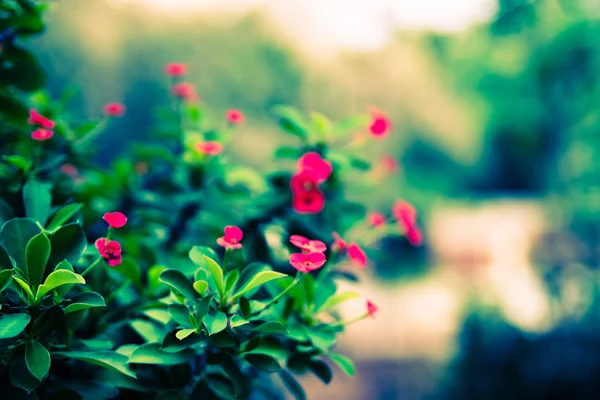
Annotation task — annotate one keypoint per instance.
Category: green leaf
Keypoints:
(182, 334)
(292, 385)
(360, 164)
(321, 338)
(272, 327)
(48, 321)
(130, 269)
(25, 288)
(5, 262)
(216, 272)
(343, 362)
(172, 344)
(68, 243)
(151, 353)
(249, 272)
(12, 325)
(253, 343)
(288, 152)
(58, 278)
(107, 359)
(37, 200)
(292, 121)
(158, 314)
(200, 286)
(245, 306)
(18, 162)
(120, 381)
(63, 215)
(178, 281)
(259, 279)
(21, 377)
(230, 280)
(37, 253)
(322, 370)
(149, 331)
(15, 235)
(215, 322)
(180, 314)
(83, 301)
(236, 320)
(37, 359)
(5, 279)
(336, 299)
(62, 290)
(97, 344)
(263, 362)
(197, 252)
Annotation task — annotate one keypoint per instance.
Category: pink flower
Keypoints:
(404, 212)
(235, 116)
(115, 219)
(339, 244)
(376, 219)
(371, 309)
(389, 164)
(41, 134)
(111, 251)
(313, 162)
(414, 235)
(306, 262)
(308, 246)
(380, 124)
(308, 202)
(211, 148)
(357, 255)
(175, 69)
(183, 90)
(304, 181)
(233, 237)
(114, 109)
(69, 170)
(35, 118)
(141, 168)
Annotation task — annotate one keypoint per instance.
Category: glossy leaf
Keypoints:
(322, 370)
(197, 254)
(15, 235)
(37, 253)
(263, 362)
(83, 301)
(5, 279)
(336, 299)
(107, 359)
(182, 334)
(63, 215)
(230, 280)
(200, 286)
(178, 281)
(58, 278)
(68, 243)
(215, 322)
(343, 362)
(148, 330)
(216, 273)
(259, 279)
(25, 287)
(21, 377)
(18, 162)
(151, 353)
(37, 359)
(130, 269)
(11, 325)
(5, 262)
(180, 314)
(236, 320)
(37, 200)
(272, 327)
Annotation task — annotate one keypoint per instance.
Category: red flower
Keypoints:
(235, 116)
(376, 219)
(308, 202)
(175, 69)
(183, 90)
(41, 134)
(308, 246)
(114, 109)
(313, 162)
(304, 181)
(371, 309)
(35, 118)
(380, 125)
(414, 235)
(389, 163)
(115, 219)
(339, 244)
(233, 237)
(211, 148)
(404, 212)
(111, 251)
(357, 255)
(307, 262)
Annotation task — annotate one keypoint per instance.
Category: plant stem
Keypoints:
(275, 299)
(226, 259)
(350, 321)
(88, 269)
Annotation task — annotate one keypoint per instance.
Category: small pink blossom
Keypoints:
(380, 125)
(141, 168)
(372, 309)
(376, 219)
(404, 212)
(389, 164)
(110, 250)
(232, 238)
(414, 235)
(308, 202)
(357, 255)
(312, 161)
(41, 134)
(306, 262)
(308, 246)
(184, 90)
(211, 148)
(235, 116)
(115, 219)
(304, 181)
(35, 118)
(175, 69)
(339, 245)
(114, 109)
(69, 170)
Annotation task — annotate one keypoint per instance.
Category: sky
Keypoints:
(346, 24)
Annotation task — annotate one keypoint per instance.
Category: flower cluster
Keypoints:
(108, 249)
(44, 126)
(406, 215)
(312, 256)
(312, 171)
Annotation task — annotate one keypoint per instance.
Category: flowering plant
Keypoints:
(204, 278)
